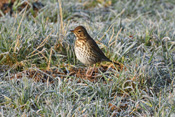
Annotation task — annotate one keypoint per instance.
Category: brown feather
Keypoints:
(97, 50)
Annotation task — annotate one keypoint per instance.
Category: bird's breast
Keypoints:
(83, 52)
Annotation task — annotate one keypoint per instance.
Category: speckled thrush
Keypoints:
(86, 49)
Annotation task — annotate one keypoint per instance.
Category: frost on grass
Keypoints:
(40, 74)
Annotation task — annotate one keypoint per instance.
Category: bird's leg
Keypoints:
(90, 75)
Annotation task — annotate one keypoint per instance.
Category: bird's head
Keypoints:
(80, 32)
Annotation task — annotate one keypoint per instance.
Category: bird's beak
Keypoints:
(71, 30)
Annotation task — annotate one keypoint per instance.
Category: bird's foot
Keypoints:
(91, 72)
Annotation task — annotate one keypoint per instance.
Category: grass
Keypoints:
(139, 34)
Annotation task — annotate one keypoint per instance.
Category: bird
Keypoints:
(86, 49)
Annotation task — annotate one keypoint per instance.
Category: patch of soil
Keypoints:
(51, 74)
(6, 6)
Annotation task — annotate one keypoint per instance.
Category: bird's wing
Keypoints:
(98, 51)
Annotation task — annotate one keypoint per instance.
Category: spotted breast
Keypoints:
(84, 53)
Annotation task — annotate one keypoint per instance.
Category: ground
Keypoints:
(40, 75)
